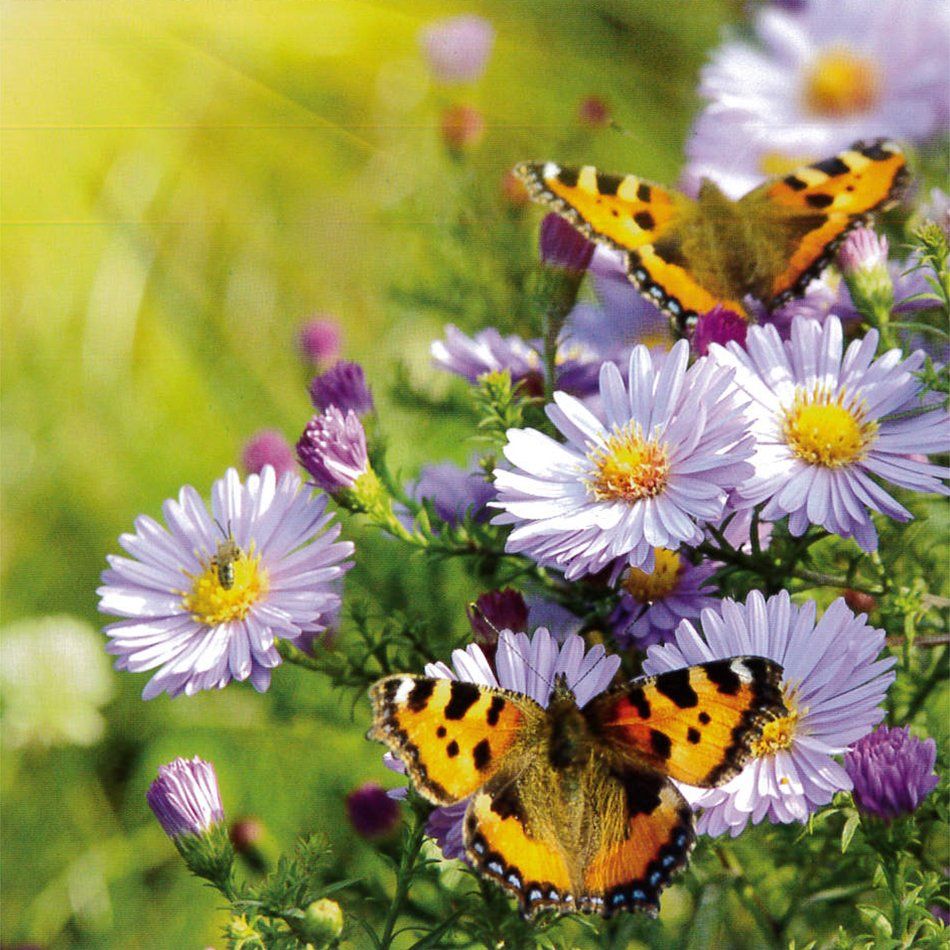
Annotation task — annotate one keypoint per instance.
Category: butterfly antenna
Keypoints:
(480, 614)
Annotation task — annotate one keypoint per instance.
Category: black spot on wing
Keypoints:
(692, 735)
(670, 250)
(463, 697)
(452, 749)
(420, 694)
(661, 743)
(704, 718)
(568, 177)
(832, 166)
(643, 192)
(494, 710)
(645, 220)
(507, 803)
(481, 755)
(676, 687)
(723, 677)
(639, 701)
(819, 200)
(796, 184)
(641, 790)
(874, 151)
(440, 732)
(608, 184)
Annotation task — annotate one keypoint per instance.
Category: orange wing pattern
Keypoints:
(836, 194)
(452, 736)
(629, 869)
(696, 725)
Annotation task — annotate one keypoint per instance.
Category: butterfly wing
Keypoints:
(451, 736)
(606, 839)
(806, 215)
(696, 725)
(639, 218)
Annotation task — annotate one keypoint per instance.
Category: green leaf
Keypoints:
(847, 832)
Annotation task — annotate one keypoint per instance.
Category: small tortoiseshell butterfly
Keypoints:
(572, 809)
(686, 256)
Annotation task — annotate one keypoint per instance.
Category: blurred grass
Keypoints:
(183, 185)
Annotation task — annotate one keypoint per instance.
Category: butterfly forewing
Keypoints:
(698, 724)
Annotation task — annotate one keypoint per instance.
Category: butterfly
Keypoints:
(570, 808)
(686, 256)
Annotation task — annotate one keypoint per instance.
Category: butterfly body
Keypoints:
(686, 256)
(570, 808)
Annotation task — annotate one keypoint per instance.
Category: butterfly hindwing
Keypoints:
(817, 205)
(452, 736)
(696, 725)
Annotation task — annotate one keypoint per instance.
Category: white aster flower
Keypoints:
(205, 615)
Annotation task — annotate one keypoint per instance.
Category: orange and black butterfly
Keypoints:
(572, 809)
(686, 255)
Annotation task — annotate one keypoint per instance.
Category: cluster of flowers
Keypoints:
(663, 446)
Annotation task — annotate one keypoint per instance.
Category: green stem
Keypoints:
(747, 894)
(293, 654)
(407, 864)
(923, 691)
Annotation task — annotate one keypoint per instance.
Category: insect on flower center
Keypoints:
(779, 733)
(628, 467)
(841, 83)
(647, 588)
(210, 602)
(822, 429)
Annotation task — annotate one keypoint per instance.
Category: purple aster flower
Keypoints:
(824, 424)
(203, 626)
(833, 686)
(344, 386)
(185, 797)
(372, 813)
(320, 341)
(268, 447)
(652, 604)
(562, 245)
(333, 450)
(526, 665)
(457, 48)
(892, 772)
(719, 325)
(454, 491)
(818, 80)
(487, 352)
(671, 447)
(937, 209)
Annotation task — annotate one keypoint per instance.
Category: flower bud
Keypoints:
(494, 611)
(344, 386)
(863, 263)
(268, 447)
(457, 48)
(593, 113)
(372, 813)
(462, 127)
(187, 804)
(859, 601)
(320, 341)
(563, 246)
(719, 325)
(322, 922)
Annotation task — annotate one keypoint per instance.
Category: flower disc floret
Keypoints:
(829, 423)
(670, 446)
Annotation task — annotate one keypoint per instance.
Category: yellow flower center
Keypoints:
(779, 733)
(628, 467)
(822, 429)
(647, 588)
(841, 83)
(210, 603)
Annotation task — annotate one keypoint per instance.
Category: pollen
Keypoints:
(628, 467)
(648, 588)
(826, 429)
(211, 604)
(841, 83)
(779, 733)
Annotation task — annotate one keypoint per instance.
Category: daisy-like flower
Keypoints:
(652, 604)
(825, 423)
(205, 598)
(672, 445)
(833, 685)
(526, 665)
(837, 72)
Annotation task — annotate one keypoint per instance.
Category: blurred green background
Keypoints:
(183, 185)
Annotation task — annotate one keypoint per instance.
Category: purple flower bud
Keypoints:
(185, 797)
(719, 325)
(564, 246)
(457, 48)
(892, 771)
(494, 611)
(344, 386)
(320, 341)
(593, 113)
(333, 449)
(863, 250)
(268, 447)
(371, 811)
